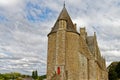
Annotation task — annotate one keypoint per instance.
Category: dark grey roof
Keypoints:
(64, 16)
(90, 43)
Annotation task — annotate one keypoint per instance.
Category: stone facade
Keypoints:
(73, 55)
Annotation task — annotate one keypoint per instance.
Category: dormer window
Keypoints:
(62, 24)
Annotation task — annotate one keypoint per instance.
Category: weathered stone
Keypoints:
(73, 55)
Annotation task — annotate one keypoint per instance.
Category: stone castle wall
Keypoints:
(68, 51)
(73, 55)
(51, 55)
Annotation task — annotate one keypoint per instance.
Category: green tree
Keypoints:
(112, 75)
(114, 71)
(35, 74)
(117, 70)
(1, 77)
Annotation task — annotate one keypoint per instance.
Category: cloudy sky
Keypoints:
(24, 25)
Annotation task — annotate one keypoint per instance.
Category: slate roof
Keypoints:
(64, 16)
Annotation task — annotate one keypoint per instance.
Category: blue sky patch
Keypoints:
(117, 3)
(2, 18)
(36, 13)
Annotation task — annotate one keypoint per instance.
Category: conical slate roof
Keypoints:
(64, 16)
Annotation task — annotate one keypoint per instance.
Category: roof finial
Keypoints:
(64, 3)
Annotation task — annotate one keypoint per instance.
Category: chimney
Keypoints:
(75, 26)
(83, 33)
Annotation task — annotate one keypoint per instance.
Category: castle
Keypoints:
(73, 55)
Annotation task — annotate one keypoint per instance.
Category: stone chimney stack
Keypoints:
(83, 33)
(75, 26)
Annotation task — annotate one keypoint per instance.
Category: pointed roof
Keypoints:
(64, 16)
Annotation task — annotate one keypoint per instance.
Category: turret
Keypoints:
(63, 22)
(60, 48)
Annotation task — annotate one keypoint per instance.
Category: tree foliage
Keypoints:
(8, 76)
(117, 70)
(18, 76)
(35, 74)
(114, 71)
(112, 74)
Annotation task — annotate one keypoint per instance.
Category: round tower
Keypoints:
(63, 47)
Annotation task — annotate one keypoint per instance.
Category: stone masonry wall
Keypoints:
(83, 67)
(72, 56)
(51, 56)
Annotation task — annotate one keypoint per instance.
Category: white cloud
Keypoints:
(3, 55)
(23, 43)
(9, 3)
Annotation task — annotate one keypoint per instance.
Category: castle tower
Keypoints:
(63, 49)
(73, 55)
